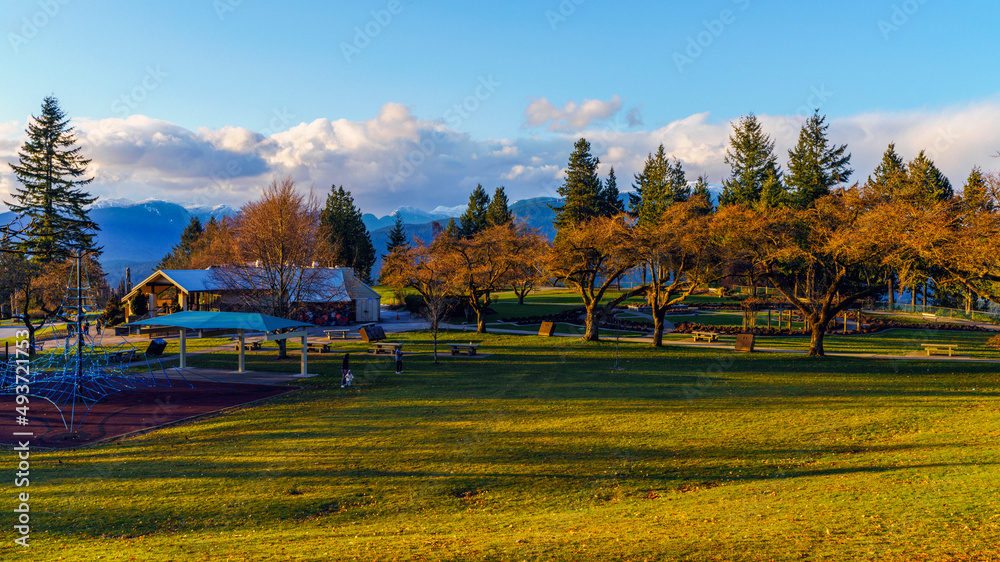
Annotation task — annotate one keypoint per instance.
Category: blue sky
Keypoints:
(412, 103)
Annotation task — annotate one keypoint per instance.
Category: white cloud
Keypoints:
(572, 116)
(397, 159)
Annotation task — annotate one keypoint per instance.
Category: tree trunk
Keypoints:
(816, 342)
(282, 349)
(480, 322)
(658, 314)
(593, 324)
(892, 293)
(520, 299)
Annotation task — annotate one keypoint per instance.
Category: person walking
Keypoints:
(399, 360)
(345, 368)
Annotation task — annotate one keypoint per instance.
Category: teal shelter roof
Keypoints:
(250, 322)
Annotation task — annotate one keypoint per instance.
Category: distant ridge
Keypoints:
(137, 234)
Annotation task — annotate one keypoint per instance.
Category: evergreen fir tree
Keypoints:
(814, 166)
(660, 185)
(610, 198)
(886, 183)
(974, 194)
(51, 172)
(700, 192)
(581, 192)
(700, 188)
(452, 228)
(180, 255)
(773, 194)
(473, 220)
(349, 240)
(498, 213)
(752, 161)
(397, 236)
(924, 182)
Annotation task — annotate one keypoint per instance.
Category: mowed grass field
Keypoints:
(540, 451)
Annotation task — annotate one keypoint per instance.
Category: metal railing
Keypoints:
(938, 311)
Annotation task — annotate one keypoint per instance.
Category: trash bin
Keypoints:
(156, 348)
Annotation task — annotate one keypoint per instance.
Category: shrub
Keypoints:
(113, 313)
(994, 342)
(414, 303)
(139, 306)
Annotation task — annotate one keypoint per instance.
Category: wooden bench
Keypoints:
(939, 347)
(705, 336)
(341, 334)
(928, 316)
(388, 347)
(457, 348)
(318, 347)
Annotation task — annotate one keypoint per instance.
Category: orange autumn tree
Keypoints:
(485, 263)
(589, 257)
(822, 259)
(677, 249)
(270, 245)
(422, 267)
(959, 238)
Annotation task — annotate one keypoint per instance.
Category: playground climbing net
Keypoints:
(87, 367)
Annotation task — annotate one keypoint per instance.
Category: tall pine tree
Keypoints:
(975, 193)
(473, 220)
(498, 213)
(886, 183)
(752, 162)
(350, 244)
(180, 255)
(700, 193)
(660, 185)
(924, 182)
(581, 192)
(815, 166)
(397, 236)
(773, 194)
(610, 198)
(51, 172)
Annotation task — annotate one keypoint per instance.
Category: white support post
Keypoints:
(183, 361)
(242, 363)
(305, 359)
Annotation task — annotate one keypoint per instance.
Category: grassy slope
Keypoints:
(540, 451)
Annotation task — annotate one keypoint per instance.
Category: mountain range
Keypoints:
(138, 234)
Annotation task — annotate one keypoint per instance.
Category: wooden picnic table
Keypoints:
(705, 336)
(341, 334)
(939, 347)
(388, 347)
(249, 346)
(457, 348)
(318, 347)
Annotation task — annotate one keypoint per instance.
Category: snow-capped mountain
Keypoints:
(138, 234)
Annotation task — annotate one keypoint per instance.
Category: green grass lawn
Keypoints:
(540, 451)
